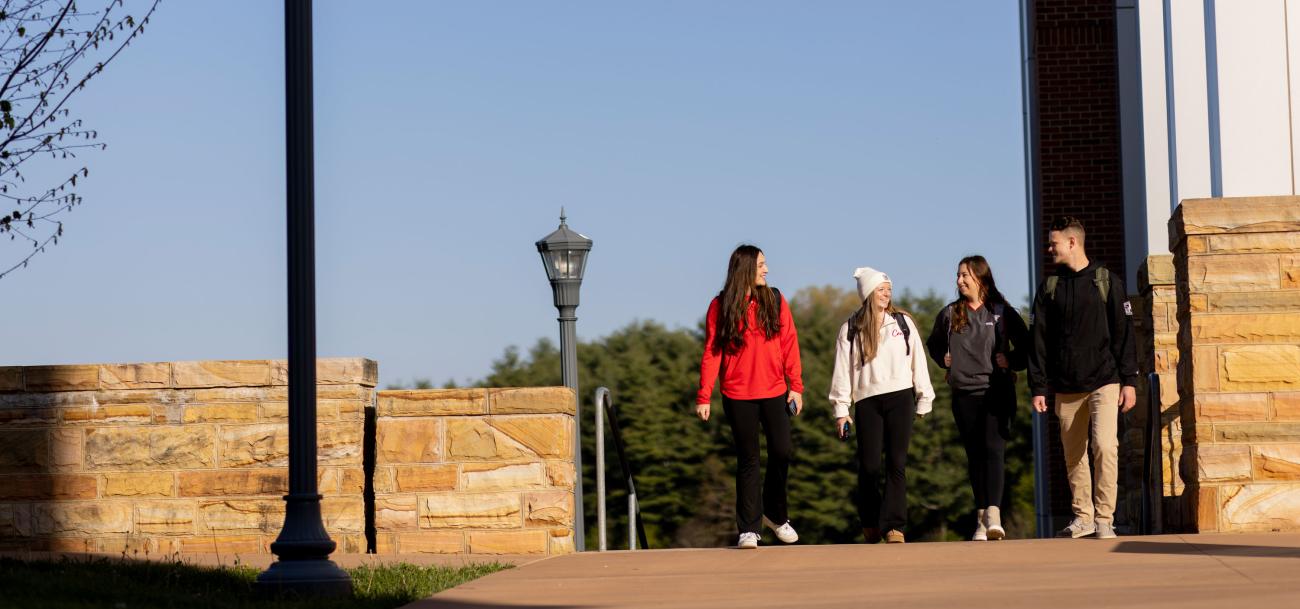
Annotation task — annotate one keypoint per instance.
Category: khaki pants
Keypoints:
(1091, 416)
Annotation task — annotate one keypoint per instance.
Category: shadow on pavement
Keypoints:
(436, 603)
(1212, 549)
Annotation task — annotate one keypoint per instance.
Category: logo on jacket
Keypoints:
(1128, 308)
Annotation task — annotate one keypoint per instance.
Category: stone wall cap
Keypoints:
(1156, 270)
(1233, 215)
(186, 374)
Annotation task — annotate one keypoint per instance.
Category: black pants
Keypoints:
(745, 417)
(984, 435)
(884, 422)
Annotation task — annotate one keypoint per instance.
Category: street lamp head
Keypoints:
(564, 253)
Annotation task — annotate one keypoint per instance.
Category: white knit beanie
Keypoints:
(868, 280)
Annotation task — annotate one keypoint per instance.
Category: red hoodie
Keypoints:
(760, 368)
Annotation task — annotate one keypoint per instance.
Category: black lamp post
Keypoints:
(303, 547)
(564, 254)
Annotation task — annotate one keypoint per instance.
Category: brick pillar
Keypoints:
(1077, 130)
(1237, 263)
(1077, 161)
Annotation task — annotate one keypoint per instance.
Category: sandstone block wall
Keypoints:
(1237, 266)
(483, 471)
(1155, 322)
(170, 457)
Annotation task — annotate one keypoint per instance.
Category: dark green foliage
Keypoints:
(148, 585)
(685, 468)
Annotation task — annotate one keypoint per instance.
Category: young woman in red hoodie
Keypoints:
(750, 337)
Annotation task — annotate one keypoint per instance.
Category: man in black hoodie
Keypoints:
(1084, 354)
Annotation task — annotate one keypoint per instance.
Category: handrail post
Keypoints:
(1153, 460)
(602, 396)
(635, 529)
(631, 520)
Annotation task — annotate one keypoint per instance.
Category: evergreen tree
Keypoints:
(685, 468)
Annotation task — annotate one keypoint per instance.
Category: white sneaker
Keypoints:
(981, 533)
(1078, 528)
(993, 522)
(1106, 530)
(784, 532)
(748, 541)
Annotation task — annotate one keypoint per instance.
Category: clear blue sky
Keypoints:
(448, 135)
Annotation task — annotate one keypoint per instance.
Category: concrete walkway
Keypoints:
(1232, 571)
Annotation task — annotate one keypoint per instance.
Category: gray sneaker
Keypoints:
(1077, 528)
(1106, 530)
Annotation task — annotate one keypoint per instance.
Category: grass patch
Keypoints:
(104, 583)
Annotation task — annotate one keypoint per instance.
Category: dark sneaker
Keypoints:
(871, 535)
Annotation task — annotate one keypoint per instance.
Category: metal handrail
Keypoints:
(1152, 461)
(635, 527)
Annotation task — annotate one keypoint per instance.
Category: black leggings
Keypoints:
(984, 435)
(884, 422)
(745, 417)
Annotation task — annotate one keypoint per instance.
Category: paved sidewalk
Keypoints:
(1236, 571)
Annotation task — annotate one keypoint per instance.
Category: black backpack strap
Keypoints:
(853, 330)
(907, 330)
(779, 302)
(999, 325)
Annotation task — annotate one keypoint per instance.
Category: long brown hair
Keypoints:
(989, 294)
(733, 302)
(868, 337)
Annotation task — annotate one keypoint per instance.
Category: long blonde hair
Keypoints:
(868, 334)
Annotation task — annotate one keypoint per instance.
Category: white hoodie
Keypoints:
(891, 370)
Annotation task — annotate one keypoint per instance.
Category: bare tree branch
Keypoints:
(50, 50)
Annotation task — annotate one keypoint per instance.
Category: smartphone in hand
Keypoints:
(790, 408)
(844, 432)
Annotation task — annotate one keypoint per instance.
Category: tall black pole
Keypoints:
(569, 373)
(303, 547)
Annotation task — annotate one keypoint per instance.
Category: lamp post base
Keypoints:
(304, 578)
(304, 568)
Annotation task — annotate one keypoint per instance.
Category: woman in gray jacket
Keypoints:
(980, 339)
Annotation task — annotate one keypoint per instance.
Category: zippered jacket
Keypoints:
(1081, 343)
(761, 368)
(893, 368)
(974, 347)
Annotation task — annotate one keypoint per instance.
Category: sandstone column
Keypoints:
(1156, 325)
(1237, 266)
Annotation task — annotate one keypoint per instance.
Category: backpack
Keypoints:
(898, 317)
(1102, 281)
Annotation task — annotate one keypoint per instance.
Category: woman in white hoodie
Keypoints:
(881, 372)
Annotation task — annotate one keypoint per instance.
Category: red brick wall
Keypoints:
(1078, 150)
(1078, 122)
